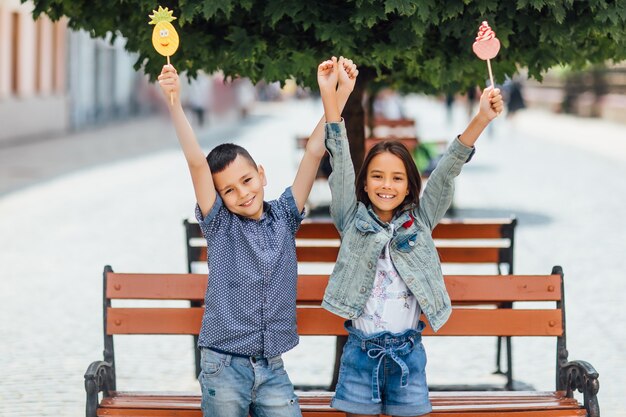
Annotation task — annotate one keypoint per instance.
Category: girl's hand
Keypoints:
(347, 73)
(491, 103)
(328, 74)
(169, 81)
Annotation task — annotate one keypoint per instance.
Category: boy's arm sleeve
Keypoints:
(209, 222)
(288, 206)
(341, 180)
(439, 189)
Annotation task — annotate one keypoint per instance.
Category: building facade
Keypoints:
(54, 80)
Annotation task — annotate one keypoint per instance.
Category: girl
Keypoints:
(388, 271)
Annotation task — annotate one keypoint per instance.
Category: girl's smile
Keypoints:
(386, 184)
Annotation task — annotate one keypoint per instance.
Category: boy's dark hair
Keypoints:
(413, 175)
(223, 155)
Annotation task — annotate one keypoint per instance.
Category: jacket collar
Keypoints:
(368, 221)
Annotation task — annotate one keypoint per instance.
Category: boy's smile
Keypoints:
(240, 185)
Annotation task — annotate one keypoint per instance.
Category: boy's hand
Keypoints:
(347, 74)
(491, 103)
(169, 81)
(328, 74)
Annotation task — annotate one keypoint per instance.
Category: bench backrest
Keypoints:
(466, 241)
(472, 291)
(469, 294)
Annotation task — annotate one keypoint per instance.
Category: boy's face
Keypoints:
(240, 185)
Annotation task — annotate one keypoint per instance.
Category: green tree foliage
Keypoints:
(414, 45)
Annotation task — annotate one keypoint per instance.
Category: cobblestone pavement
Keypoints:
(562, 177)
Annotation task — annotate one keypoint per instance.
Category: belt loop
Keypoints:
(227, 359)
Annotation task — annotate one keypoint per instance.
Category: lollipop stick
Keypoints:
(172, 94)
(490, 74)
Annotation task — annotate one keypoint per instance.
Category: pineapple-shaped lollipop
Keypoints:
(164, 36)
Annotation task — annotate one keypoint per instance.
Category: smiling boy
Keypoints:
(249, 318)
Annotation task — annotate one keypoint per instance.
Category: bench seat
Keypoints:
(317, 404)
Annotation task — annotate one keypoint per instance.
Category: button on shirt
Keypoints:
(250, 301)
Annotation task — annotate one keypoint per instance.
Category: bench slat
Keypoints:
(514, 404)
(469, 255)
(446, 229)
(462, 322)
(462, 288)
(156, 286)
(328, 253)
(311, 229)
(468, 229)
(317, 321)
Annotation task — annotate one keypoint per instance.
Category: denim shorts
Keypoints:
(235, 386)
(383, 373)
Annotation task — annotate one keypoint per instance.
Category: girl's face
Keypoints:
(386, 184)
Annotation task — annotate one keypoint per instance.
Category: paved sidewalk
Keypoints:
(122, 198)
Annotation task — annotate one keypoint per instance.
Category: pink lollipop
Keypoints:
(486, 45)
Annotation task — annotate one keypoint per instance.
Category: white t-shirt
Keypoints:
(391, 306)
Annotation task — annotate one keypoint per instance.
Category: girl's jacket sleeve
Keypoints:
(439, 189)
(341, 180)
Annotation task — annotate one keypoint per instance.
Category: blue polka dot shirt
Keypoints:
(250, 301)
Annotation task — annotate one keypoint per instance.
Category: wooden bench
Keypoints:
(488, 242)
(470, 320)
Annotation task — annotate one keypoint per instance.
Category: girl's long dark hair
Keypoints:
(413, 175)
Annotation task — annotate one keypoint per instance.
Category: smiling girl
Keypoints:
(388, 271)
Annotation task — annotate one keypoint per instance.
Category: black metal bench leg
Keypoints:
(498, 354)
(196, 350)
(339, 344)
(509, 364)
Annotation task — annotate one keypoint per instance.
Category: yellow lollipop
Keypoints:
(164, 37)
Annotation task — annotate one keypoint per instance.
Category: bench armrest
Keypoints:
(100, 377)
(582, 376)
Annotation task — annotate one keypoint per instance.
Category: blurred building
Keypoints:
(53, 80)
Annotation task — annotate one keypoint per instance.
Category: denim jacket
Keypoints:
(363, 235)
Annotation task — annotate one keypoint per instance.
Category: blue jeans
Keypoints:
(234, 386)
(383, 373)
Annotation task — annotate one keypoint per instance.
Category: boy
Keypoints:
(249, 318)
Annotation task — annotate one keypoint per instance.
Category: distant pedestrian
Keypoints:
(515, 99)
(388, 272)
(388, 105)
(199, 94)
(249, 317)
(449, 106)
(471, 101)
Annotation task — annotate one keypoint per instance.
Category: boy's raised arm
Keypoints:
(196, 160)
(336, 79)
